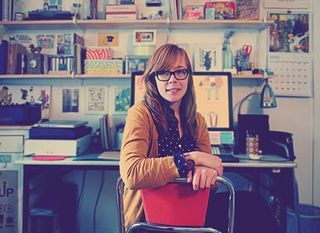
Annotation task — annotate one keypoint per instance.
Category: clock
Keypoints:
(34, 63)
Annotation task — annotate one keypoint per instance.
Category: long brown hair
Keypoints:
(163, 59)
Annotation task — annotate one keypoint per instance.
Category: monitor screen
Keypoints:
(213, 97)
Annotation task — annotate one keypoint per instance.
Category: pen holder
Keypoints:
(252, 146)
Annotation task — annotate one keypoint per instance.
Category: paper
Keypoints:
(110, 155)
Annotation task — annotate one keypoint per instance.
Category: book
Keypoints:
(59, 133)
(4, 56)
(57, 147)
(61, 124)
(13, 52)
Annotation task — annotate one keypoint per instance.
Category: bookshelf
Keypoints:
(100, 76)
(138, 24)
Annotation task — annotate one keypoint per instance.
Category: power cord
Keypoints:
(80, 198)
(97, 201)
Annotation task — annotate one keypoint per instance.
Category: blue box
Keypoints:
(20, 114)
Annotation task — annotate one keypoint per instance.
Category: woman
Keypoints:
(164, 137)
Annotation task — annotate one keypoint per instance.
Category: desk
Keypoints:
(279, 172)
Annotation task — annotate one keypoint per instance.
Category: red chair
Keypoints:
(175, 207)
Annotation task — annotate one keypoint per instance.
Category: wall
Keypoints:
(316, 147)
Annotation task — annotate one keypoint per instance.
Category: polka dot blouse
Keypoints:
(170, 144)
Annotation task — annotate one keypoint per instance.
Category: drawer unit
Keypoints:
(11, 144)
(11, 177)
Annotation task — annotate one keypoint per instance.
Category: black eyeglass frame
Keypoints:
(156, 74)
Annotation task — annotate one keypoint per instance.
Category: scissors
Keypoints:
(246, 50)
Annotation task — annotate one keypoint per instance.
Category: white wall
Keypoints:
(316, 156)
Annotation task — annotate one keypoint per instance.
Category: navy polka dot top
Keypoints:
(170, 144)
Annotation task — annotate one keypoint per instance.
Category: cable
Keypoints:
(97, 201)
(79, 201)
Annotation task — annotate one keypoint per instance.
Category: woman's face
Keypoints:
(174, 88)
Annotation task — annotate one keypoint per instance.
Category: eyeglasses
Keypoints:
(165, 75)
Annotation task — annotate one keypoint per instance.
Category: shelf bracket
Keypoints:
(168, 29)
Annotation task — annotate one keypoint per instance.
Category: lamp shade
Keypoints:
(267, 97)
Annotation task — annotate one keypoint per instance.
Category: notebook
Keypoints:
(61, 124)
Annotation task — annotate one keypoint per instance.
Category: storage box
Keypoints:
(20, 114)
(175, 204)
(121, 12)
(221, 10)
(103, 67)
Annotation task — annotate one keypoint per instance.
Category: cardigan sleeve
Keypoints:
(138, 168)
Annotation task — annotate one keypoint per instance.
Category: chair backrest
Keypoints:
(166, 228)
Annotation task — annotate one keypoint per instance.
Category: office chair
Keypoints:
(176, 229)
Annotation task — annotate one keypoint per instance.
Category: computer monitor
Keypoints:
(213, 97)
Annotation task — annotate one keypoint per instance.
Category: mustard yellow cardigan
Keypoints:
(139, 165)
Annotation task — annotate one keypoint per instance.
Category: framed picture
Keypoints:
(207, 57)
(144, 37)
(135, 63)
(70, 100)
(110, 39)
(96, 100)
(290, 32)
(119, 97)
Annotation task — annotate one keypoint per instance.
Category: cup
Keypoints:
(252, 145)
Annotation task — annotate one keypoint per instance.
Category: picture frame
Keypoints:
(135, 63)
(119, 99)
(207, 57)
(291, 32)
(144, 37)
(96, 100)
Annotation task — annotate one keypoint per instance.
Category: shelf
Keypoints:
(141, 24)
(99, 76)
(248, 76)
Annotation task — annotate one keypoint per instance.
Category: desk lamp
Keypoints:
(255, 122)
(267, 97)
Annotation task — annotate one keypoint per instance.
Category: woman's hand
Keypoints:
(205, 159)
(203, 177)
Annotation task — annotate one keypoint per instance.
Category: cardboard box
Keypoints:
(121, 12)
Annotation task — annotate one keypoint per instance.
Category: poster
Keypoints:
(96, 100)
(290, 32)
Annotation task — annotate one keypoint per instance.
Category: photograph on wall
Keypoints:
(70, 100)
(110, 39)
(144, 37)
(47, 42)
(13, 95)
(119, 99)
(64, 44)
(207, 57)
(96, 100)
(136, 63)
(290, 32)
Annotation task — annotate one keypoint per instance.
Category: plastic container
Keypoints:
(309, 219)
(175, 204)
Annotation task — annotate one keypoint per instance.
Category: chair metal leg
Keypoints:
(164, 228)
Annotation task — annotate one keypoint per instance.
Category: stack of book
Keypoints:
(58, 138)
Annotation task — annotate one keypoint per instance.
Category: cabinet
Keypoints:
(94, 25)
(11, 178)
